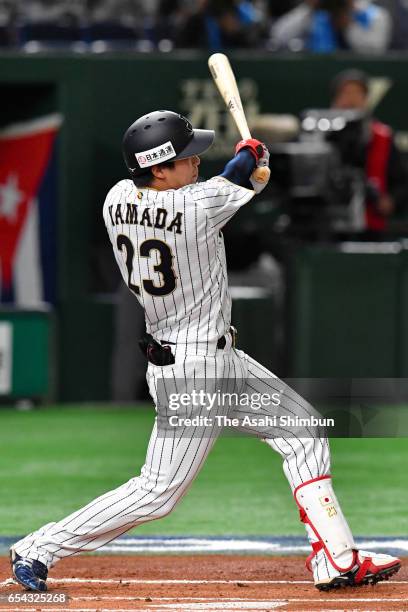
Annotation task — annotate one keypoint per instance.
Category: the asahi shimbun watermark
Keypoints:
(221, 420)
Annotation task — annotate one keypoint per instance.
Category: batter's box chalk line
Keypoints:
(136, 581)
(282, 545)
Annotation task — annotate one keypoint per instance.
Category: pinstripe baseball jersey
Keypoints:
(170, 251)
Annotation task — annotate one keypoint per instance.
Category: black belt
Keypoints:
(221, 343)
(159, 353)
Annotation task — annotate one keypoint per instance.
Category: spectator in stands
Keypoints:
(126, 11)
(329, 25)
(220, 24)
(277, 8)
(7, 17)
(43, 11)
(386, 172)
(7, 11)
(120, 20)
(44, 24)
(172, 16)
(401, 21)
(399, 13)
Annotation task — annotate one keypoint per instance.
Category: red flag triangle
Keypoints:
(24, 154)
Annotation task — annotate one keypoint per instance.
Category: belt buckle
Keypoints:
(234, 334)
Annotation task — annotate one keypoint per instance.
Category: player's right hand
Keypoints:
(256, 147)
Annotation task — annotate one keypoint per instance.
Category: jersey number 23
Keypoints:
(164, 267)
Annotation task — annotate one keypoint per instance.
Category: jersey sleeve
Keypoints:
(220, 199)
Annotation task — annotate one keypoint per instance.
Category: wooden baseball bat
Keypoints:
(224, 79)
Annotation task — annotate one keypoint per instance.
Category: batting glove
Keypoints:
(256, 147)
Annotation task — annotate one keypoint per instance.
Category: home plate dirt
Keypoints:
(195, 583)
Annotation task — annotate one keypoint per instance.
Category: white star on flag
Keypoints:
(10, 197)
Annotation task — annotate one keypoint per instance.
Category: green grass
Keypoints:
(54, 460)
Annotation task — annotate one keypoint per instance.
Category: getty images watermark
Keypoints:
(246, 406)
(273, 408)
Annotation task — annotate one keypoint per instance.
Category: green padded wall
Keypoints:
(346, 316)
(98, 96)
(32, 350)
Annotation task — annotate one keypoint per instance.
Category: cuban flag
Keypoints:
(28, 211)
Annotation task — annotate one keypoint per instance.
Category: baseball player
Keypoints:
(165, 230)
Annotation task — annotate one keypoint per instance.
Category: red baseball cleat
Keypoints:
(369, 568)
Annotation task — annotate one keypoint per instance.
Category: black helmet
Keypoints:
(162, 136)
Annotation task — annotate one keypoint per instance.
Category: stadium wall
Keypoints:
(98, 97)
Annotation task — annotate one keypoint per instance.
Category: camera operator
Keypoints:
(329, 25)
(386, 173)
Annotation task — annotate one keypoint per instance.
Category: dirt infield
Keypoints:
(194, 583)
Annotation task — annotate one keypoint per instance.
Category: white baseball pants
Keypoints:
(172, 462)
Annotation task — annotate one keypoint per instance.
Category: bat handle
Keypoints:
(261, 174)
(245, 133)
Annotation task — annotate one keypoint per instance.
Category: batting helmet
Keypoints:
(159, 137)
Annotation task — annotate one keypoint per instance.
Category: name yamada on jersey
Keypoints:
(159, 218)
